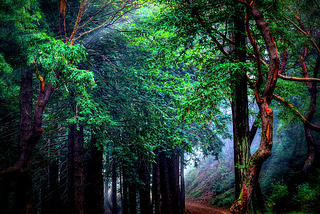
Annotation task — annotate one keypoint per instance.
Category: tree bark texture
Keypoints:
(240, 103)
(62, 19)
(30, 142)
(75, 170)
(29, 133)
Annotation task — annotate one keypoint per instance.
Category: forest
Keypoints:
(152, 106)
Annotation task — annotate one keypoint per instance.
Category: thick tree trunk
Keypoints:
(25, 122)
(166, 206)
(94, 189)
(75, 170)
(173, 164)
(156, 183)
(240, 103)
(144, 175)
(27, 141)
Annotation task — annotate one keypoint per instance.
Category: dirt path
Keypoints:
(198, 207)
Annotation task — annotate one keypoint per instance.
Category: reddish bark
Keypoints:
(312, 108)
(62, 19)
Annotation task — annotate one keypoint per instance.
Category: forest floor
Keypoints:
(202, 206)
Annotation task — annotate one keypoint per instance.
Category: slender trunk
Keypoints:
(156, 183)
(71, 197)
(125, 191)
(312, 148)
(183, 190)
(144, 175)
(114, 189)
(78, 171)
(166, 206)
(258, 190)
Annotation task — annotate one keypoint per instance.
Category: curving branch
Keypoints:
(296, 112)
(298, 79)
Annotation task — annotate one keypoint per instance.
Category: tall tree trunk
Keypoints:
(125, 191)
(25, 133)
(156, 183)
(166, 206)
(78, 172)
(75, 170)
(114, 189)
(23, 190)
(144, 175)
(240, 103)
(312, 148)
(173, 164)
(183, 190)
(94, 189)
(71, 197)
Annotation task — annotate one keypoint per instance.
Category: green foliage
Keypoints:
(308, 195)
(225, 199)
(279, 196)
